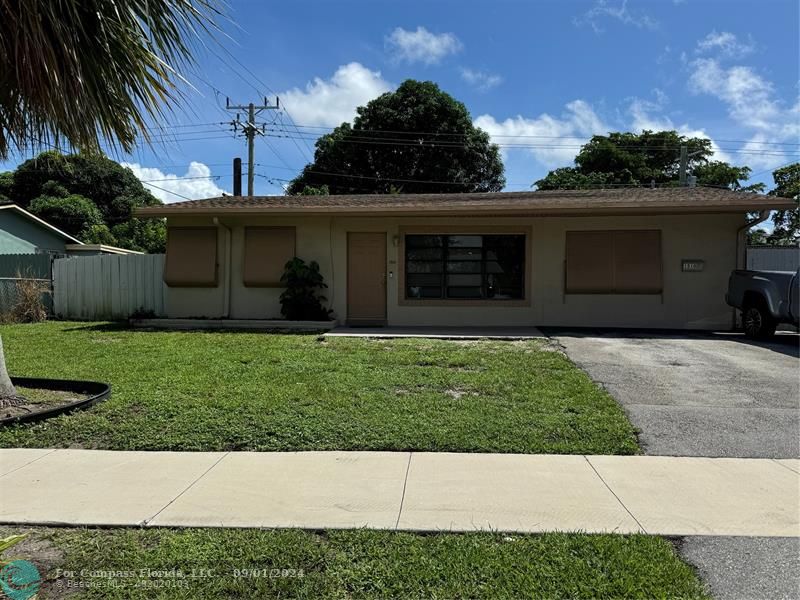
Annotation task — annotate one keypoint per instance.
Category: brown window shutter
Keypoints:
(266, 252)
(613, 262)
(191, 257)
(590, 262)
(637, 262)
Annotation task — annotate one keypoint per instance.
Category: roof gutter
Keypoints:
(741, 247)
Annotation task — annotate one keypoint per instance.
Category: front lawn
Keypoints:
(226, 563)
(256, 391)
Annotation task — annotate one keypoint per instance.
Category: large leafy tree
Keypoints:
(624, 158)
(416, 139)
(88, 71)
(71, 213)
(90, 197)
(786, 223)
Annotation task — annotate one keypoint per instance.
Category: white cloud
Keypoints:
(330, 102)
(481, 80)
(648, 114)
(750, 98)
(603, 10)
(726, 44)
(195, 184)
(556, 140)
(760, 155)
(421, 45)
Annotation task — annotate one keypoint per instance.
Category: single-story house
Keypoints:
(627, 257)
(22, 232)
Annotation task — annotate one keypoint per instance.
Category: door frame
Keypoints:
(368, 322)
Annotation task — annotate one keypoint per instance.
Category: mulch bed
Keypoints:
(33, 400)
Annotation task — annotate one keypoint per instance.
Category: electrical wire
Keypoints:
(168, 191)
(561, 137)
(455, 145)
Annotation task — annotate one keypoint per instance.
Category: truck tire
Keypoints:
(757, 322)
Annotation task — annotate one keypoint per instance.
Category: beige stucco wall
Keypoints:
(690, 300)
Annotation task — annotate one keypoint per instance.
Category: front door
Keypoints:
(366, 278)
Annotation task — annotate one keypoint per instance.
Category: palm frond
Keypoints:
(88, 71)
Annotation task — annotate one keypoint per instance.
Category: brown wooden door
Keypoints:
(366, 278)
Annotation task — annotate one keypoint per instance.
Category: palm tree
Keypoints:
(86, 71)
(8, 395)
(91, 71)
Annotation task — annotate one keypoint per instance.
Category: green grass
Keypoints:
(359, 564)
(250, 391)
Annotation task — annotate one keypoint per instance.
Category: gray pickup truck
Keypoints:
(766, 298)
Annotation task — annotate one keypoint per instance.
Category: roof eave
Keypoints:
(42, 222)
(588, 209)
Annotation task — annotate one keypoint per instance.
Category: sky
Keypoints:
(540, 76)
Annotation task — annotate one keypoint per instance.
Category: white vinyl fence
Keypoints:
(773, 258)
(108, 287)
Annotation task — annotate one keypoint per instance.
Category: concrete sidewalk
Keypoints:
(402, 490)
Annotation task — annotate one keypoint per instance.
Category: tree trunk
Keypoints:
(6, 387)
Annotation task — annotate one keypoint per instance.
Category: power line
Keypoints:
(376, 178)
(267, 88)
(168, 191)
(752, 175)
(445, 144)
(277, 154)
(560, 137)
(310, 154)
(183, 178)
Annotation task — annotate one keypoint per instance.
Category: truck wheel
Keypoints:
(757, 322)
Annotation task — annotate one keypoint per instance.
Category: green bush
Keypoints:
(301, 300)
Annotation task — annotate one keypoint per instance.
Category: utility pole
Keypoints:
(250, 129)
(684, 165)
(685, 155)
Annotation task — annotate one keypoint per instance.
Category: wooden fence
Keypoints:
(108, 287)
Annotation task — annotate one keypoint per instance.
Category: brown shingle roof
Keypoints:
(550, 202)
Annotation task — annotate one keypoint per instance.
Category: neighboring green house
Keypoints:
(24, 233)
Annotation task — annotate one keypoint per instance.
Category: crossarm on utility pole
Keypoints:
(250, 129)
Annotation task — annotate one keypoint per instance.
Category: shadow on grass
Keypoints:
(109, 326)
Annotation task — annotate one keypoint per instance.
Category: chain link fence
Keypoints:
(24, 278)
(11, 293)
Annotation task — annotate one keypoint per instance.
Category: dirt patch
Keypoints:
(458, 393)
(33, 400)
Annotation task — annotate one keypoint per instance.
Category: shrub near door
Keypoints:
(301, 300)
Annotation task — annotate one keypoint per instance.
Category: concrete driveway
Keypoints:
(697, 394)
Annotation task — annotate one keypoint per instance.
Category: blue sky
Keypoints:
(546, 74)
